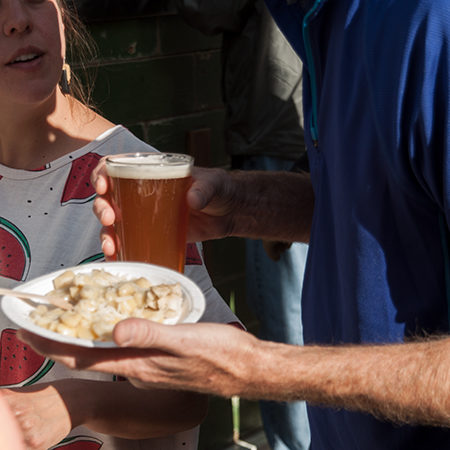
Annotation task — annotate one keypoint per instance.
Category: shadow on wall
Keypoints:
(110, 9)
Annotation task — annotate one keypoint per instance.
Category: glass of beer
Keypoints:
(148, 192)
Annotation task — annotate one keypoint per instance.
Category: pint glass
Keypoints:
(148, 192)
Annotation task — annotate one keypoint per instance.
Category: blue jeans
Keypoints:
(274, 295)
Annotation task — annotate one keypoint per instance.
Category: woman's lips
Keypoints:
(25, 56)
(26, 61)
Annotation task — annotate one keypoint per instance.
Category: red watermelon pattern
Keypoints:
(15, 255)
(20, 365)
(193, 257)
(78, 187)
(41, 168)
(79, 443)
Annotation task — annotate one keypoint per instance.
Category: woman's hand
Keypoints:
(10, 434)
(41, 414)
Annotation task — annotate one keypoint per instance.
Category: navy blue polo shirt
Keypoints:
(377, 129)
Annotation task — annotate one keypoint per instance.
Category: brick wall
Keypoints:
(161, 79)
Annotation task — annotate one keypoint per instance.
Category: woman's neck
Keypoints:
(33, 137)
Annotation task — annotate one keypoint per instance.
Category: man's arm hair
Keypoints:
(402, 383)
(272, 205)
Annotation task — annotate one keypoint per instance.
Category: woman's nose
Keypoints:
(15, 18)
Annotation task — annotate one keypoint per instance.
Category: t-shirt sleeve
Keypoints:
(216, 309)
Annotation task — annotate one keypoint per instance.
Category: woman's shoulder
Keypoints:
(119, 139)
(93, 126)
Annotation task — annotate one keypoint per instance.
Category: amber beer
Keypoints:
(148, 192)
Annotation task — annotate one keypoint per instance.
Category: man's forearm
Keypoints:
(404, 383)
(273, 205)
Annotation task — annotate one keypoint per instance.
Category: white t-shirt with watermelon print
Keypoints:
(46, 224)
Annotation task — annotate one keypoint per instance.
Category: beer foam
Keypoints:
(143, 168)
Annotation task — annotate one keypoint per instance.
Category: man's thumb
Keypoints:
(139, 333)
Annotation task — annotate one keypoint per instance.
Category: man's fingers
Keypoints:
(114, 360)
(52, 349)
(108, 243)
(99, 178)
(104, 211)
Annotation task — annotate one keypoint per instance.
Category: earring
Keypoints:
(65, 79)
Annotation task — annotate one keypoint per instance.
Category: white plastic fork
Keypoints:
(56, 301)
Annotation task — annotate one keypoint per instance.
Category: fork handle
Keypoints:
(57, 301)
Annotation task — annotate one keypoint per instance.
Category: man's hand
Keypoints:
(211, 200)
(209, 358)
(401, 382)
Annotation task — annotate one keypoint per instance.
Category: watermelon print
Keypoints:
(15, 255)
(20, 365)
(78, 188)
(94, 258)
(193, 256)
(79, 443)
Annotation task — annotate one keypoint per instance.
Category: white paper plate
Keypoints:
(18, 310)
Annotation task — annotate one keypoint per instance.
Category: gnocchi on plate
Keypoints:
(100, 299)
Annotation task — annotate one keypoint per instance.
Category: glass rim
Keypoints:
(149, 159)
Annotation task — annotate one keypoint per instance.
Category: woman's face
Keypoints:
(32, 50)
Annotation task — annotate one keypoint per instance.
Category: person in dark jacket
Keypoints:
(262, 94)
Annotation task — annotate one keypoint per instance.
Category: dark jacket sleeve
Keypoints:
(216, 16)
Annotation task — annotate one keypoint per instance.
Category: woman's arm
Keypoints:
(48, 411)
(10, 434)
